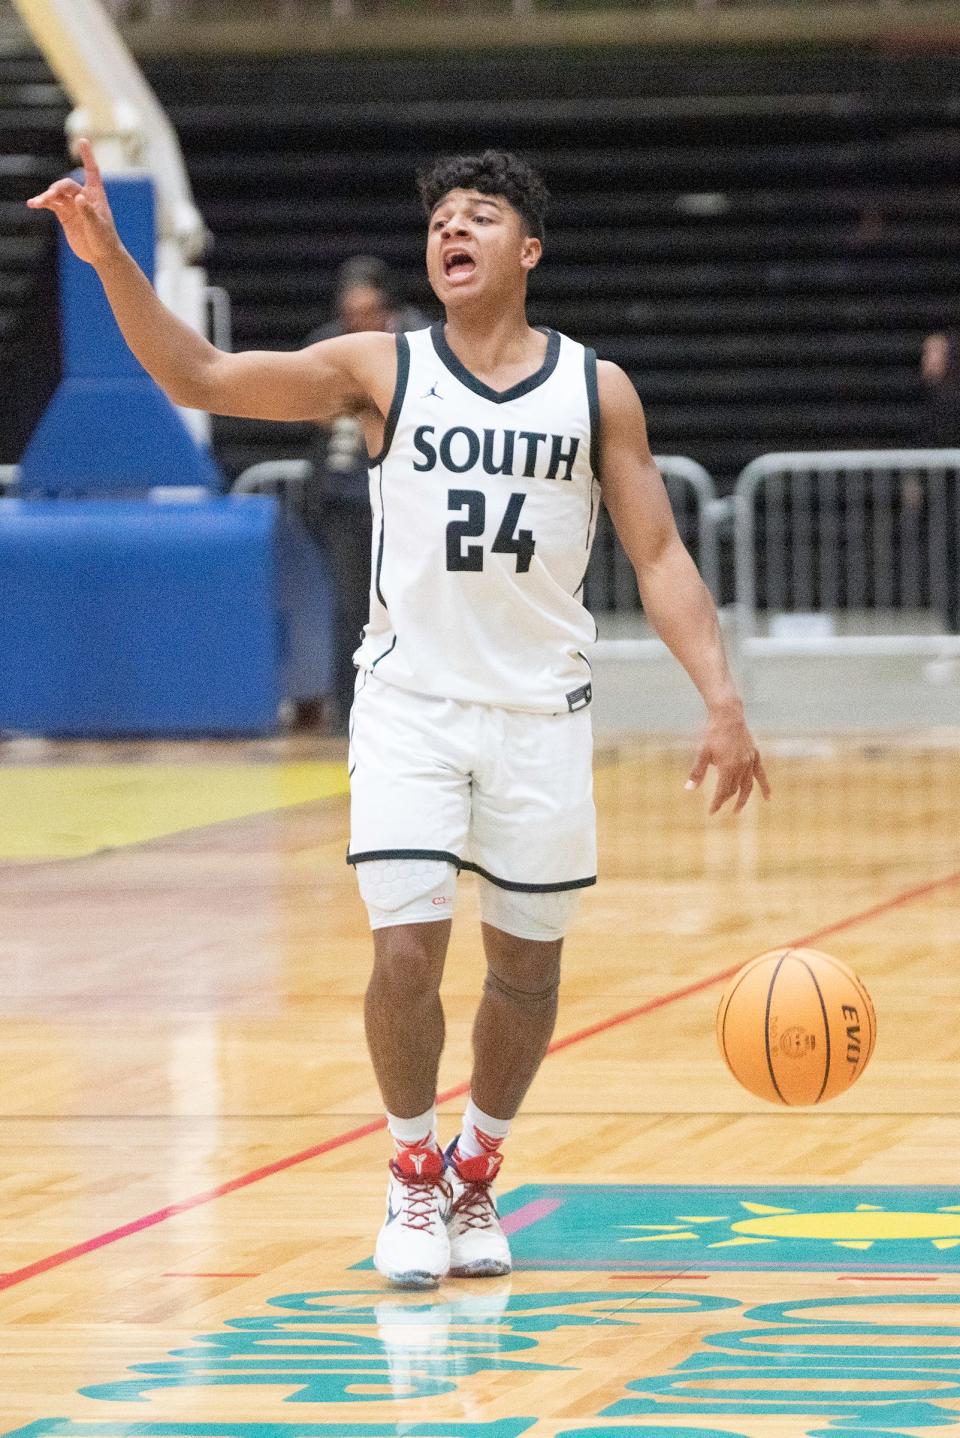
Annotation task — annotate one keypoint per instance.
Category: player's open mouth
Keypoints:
(458, 265)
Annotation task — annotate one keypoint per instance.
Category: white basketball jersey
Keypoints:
(485, 505)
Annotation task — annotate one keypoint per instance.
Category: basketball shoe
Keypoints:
(478, 1244)
(413, 1250)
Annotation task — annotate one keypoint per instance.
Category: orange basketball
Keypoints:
(796, 1026)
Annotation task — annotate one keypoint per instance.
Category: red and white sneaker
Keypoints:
(413, 1250)
(478, 1244)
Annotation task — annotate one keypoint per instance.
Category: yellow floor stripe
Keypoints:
(66, 812)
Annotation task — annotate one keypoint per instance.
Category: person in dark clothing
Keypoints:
(940, 371)
(336, 509)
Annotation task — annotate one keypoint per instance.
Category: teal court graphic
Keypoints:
(848, 1229)
(590, 1228)
(868, 1364)
(844, 1366)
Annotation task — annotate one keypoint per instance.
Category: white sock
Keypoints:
(419, 1132)
(477, 1123)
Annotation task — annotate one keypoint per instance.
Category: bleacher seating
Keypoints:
(32, 114)
(761, 238)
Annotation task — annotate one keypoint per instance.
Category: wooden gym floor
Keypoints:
(192, 1158)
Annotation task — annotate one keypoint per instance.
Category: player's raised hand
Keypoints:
(729, 746)
(83, 211)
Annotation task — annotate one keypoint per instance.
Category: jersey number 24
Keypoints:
(509, 540)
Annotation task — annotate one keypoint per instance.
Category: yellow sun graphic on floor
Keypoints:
(844, 1228)
(859, 1227)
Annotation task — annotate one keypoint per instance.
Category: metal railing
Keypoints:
(844, 552)
(221, 317)
(848, 551)
(274, 476)
(611, 585)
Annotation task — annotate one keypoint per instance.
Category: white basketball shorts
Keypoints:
(506, 793)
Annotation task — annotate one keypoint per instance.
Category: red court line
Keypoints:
(660, 1002)
(150, 1220)
(197, 1200)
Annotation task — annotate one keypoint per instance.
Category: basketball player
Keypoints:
(492, 444)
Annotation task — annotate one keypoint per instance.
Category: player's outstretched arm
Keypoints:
(316, 383)
(675, 599)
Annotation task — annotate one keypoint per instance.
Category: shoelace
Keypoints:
(475, 1206)
(420, 1200)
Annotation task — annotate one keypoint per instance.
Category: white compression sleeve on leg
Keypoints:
(543, 917)
(407, 891)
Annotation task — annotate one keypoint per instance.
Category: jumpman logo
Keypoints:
(433, 392)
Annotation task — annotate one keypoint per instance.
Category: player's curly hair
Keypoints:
(495, 172)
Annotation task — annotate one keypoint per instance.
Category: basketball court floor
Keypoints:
(192, 1152)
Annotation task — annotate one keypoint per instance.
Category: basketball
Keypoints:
(796, 1026)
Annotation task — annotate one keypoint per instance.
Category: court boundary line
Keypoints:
(173, 1210)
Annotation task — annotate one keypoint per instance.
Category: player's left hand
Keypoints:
(728, 744)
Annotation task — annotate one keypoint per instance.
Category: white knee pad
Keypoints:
(544, 917)
(407, 891)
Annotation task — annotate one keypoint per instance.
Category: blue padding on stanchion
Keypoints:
(109, 429)
(92, 343)
(106, 437)
(133, 617)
